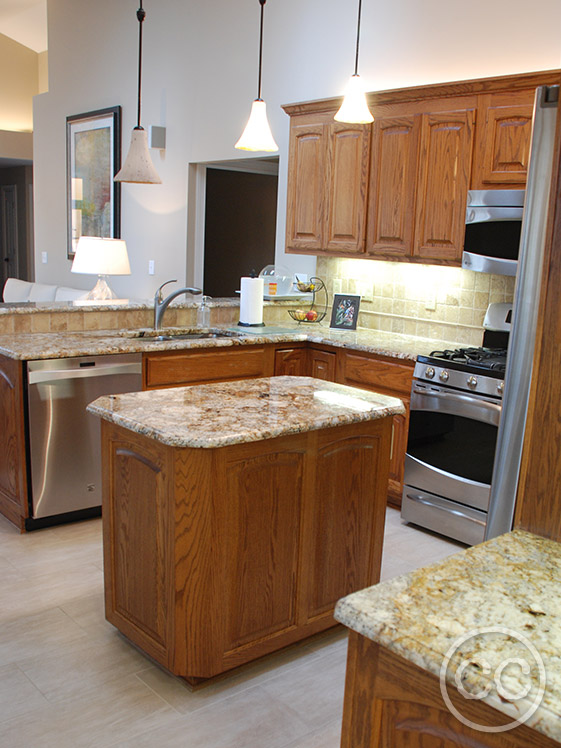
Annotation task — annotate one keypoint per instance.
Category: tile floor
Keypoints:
(68, 679)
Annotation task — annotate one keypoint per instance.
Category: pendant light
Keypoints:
(257, 135)
(138, 166)
(354, 108)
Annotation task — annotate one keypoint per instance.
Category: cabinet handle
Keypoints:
(391, 444)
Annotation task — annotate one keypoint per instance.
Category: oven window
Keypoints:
(499, 239)
(460, 446)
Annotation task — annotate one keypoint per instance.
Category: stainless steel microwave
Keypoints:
(493, 226)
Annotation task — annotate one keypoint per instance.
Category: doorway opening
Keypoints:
(232, 220)
(16, 220)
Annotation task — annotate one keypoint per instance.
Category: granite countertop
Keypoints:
(35, 345)
(224, 413)
(512, 582)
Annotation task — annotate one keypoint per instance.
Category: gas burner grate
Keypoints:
(487, 358)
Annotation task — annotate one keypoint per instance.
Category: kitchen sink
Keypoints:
(179, 333)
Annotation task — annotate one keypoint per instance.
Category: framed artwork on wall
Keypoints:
(93, 157)
(344, 313)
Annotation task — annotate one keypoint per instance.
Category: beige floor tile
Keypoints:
(18, 696)
(50, 631)
(120, 711)
(250, 719)
(80, 683)
(83, 666)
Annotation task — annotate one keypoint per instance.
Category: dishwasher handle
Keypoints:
(58, 375)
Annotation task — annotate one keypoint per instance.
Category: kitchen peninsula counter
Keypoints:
(408, 625)
(236, 514)
(40, 345)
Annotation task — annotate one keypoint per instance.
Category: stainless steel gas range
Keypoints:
(455, 411)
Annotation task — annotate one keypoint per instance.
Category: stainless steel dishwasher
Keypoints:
(64, 440)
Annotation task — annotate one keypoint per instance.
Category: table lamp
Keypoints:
(102, 257)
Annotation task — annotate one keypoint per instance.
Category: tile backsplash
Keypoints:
(429, 301)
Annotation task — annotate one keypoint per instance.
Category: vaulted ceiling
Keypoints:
(25, 21)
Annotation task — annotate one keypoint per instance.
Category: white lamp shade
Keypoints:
(138, 166)
(354, 108)
(257, 135)
(98, 256)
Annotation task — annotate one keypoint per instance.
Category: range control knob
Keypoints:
(472, 382)
(429, 372)
(501, 388)
(444, 376)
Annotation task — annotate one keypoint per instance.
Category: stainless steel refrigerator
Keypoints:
(518, 375)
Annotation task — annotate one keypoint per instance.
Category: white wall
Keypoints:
(200, 76)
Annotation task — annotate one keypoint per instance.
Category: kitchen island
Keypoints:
(236, 514)
(456, 652)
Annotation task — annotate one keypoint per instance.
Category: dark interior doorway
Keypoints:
(240, 226)
(16, 222)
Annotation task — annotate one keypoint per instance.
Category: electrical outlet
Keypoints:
(430, 302)
(44, 257)
(150, 267)
(337, 285)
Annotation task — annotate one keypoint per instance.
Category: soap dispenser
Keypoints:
(203, 313)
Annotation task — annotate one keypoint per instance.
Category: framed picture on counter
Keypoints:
(93, 157)
(344, 314)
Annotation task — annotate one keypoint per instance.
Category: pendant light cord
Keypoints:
(262, 3)
(141, 15)
(358, 35)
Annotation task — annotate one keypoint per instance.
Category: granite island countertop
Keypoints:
(42, 345)
(248, 410)
(512, 582)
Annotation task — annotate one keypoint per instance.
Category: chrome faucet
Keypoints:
(161, 304)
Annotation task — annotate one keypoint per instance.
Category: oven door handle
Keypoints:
(456, 404)
(422, 500)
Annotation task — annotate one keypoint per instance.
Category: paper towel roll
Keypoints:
(251, 301)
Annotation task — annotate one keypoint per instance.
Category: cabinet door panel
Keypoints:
(347, 176)
(444, 169)
(13, 483)
(504, 140)
(322, 365)
(306, 179)
(261, 522)
(290, 362)
(344, 520)
(391, 200)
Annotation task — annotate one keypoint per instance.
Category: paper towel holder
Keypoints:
(251, 324)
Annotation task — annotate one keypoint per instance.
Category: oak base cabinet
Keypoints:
(392, 703)
(380, 374)
(214, 557)
(13, 474)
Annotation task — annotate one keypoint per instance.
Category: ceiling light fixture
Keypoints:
(257, 135)
(138, 166)
(354, 108)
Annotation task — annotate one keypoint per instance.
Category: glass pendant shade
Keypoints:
(257, 135)
(354, 108)
(138, 166)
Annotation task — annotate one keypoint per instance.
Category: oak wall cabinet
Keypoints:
(327, 185)
(428, 145)
(419, 179)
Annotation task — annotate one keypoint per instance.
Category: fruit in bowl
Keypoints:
(311, 315)
(299, 314)
(305, 286)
